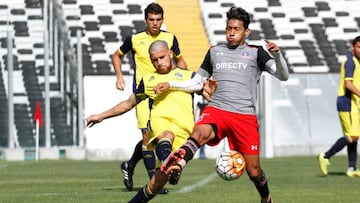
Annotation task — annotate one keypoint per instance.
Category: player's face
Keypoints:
(236, 32)
(356, 50)
(162, 60)
(153, 23)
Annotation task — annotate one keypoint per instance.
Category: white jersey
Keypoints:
(237, 72)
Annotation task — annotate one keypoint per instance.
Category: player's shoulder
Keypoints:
(166, 35)
(181, 70)
(254, 46)
(165, 32)
(350, 58)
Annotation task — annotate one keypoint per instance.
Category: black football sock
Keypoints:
(339, 145)
(144, 195)
(136, 156)
(262, 186)
(190, 147)
(149, 161)
(352, 154)
(163, 149)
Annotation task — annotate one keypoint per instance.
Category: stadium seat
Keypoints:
(319, 22)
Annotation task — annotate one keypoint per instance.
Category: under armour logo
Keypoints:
(254, 147)
(219, 53)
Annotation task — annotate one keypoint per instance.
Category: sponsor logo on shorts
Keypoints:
(254, 147)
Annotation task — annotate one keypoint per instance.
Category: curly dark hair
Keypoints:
(240, 14)
(154, 8)
(357, 39)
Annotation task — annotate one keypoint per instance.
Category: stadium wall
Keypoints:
(304, 119)
(304, 115)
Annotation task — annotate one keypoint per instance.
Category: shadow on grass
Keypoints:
(337, 174)
(333, 174)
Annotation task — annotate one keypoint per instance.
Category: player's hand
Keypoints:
(271, 46)
(209, 89)
(161, 87)
(120, 83)
(92, 120)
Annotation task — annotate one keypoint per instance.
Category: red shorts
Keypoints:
(242, 130)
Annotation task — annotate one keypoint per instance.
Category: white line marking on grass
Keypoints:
(3, 165)
(197, 184)
(52, 194)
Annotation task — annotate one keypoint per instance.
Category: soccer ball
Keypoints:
(230, 165)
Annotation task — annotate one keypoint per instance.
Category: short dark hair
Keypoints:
(357, 39)
(240, 14)
(154, 8)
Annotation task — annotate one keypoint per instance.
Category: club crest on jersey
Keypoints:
(142, 43)
(245, 55)
(151, 78)
(178, 75)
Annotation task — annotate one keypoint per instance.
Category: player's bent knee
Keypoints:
(167, 135)
(353, 139)
(254, 173)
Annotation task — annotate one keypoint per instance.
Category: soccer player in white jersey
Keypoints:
(236, 67)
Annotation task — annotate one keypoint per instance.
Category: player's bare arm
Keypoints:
(119, 109)
(117, 63)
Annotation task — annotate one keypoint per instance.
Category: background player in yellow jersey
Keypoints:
(171, 114)
(139, 44)
(348, 109)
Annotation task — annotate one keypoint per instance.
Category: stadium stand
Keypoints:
(25, 19)
(104, 25)
(314, 37)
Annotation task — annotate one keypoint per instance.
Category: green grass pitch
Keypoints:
(291, 179)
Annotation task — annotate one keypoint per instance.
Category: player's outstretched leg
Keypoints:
(177, 160)
(143, 195)
(172, 167)
(172, 160)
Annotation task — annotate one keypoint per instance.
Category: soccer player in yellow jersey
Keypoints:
(348, 110)
(138, 44)
(171, 114)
